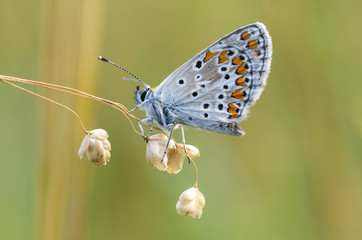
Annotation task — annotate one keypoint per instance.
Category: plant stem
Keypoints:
(191, 160)
(52, 101)
(120, 107)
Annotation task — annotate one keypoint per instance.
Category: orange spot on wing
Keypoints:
(209, 55)
(232, 105)
(240, 81)
(252, 44)
(245, 35)
(223, 56)
(232, 111)
(237, 61)
(241, 70)
(238, 94)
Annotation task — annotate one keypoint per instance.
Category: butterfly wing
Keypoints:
(215, 89)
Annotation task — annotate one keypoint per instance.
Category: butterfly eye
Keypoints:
(143, 95)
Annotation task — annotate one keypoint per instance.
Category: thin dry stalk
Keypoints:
(120, 107)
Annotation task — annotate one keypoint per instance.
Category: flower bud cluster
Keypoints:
(174, 158)
(97, 147)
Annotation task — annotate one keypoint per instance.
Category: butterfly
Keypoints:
(215, 89)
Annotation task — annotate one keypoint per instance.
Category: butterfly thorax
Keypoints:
(155, 109)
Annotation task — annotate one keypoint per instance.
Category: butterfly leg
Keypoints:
(145, 121)
(151, 128)
(138, 106)
(168, 141)
(184, 143)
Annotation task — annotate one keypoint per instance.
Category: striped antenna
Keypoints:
(127, 79)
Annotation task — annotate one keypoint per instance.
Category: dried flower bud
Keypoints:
(155, 148)
(176, 157)
(97, 147)
(191, 150)
(191, 203)
(173, 161)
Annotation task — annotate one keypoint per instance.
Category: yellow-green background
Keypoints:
(296, 175)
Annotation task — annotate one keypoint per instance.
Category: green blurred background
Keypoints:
(295, 175)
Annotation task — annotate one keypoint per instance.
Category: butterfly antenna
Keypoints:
(127, 79)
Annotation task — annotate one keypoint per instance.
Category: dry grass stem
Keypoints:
(120, 107)
(192, 161)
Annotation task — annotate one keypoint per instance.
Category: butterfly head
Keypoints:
(142, 95)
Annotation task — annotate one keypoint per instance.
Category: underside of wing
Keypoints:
(219, 84)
